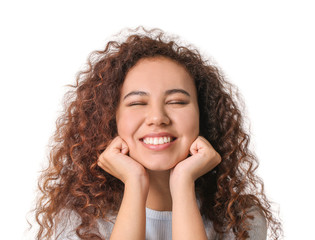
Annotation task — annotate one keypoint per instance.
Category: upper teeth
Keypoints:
(157, 140)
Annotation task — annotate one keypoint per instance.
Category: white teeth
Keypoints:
(157, 140)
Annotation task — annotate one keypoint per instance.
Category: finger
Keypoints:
(193, 149)
(197, 145)
(101, 165)
(124, 148)
(120, 146)
(204, 140)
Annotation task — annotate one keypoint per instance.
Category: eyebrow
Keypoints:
(140, 93)
(177, 90)
(167, 92)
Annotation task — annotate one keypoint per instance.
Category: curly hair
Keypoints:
(75, 182)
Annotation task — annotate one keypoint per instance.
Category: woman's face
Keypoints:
(158, 114)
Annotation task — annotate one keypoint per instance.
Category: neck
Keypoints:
(159, 196)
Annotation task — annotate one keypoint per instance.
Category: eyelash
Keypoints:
(140, 103)
(136, 103)
(179, 102)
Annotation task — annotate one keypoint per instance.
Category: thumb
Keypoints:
(120, 146)
(194, 148)
(124, 148)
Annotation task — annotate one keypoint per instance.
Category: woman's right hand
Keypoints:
(115, 160)
(130, 220)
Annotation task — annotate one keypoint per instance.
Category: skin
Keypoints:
(156, 111)
(159, 179)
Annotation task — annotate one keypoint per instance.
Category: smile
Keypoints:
(157, 140)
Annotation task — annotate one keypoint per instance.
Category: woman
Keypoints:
(152, 145)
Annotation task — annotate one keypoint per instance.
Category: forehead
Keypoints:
(159, 73)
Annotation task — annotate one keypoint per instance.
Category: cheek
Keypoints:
(192, 125)
(189, 124)
(127, 125)
(189, 129)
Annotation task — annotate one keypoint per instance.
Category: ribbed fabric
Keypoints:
(158, 224)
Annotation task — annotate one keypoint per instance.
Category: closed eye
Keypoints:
(136, 103)
(178, 102)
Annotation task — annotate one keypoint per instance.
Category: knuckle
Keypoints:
(100, 163)
(102, 160)
(219, 159)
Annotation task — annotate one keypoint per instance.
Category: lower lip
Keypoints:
(159, 146)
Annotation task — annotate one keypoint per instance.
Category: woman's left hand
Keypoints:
(202, 160)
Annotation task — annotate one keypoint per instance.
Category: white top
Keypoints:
(158, 227)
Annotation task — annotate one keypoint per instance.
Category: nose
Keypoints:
(157, 116)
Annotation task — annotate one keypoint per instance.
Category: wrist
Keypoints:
(182, 189)
(139, 185)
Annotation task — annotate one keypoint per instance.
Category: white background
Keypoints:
(266, 48)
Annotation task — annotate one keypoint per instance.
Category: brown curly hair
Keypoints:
(75, 182)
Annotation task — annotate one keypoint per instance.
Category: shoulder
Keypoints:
(257, 224)
(68, 221)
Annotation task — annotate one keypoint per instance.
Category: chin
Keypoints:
(159, 168)
(157, 164)
(158, 161)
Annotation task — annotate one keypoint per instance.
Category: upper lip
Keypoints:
(161, 134)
